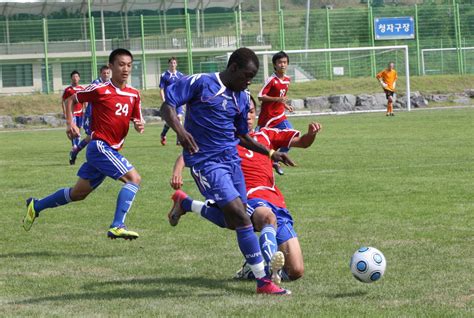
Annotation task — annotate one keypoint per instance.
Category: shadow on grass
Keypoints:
(357, 293)
(168, 287)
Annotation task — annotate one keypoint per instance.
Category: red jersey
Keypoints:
(113, 110)
(273, 113)
(258, 169)
(69, 91)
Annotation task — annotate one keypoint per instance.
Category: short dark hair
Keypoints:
(280, 55)
(75, 72)
(172, 59)
(104, 67)
(118, 52)
(242, 57)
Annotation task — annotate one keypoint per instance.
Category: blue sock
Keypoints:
(165, 130)
(248, 244)
(58, 198)
(124, 203)
(186, 204)
(268, 243)
(82, 144)
(213, 214)
(76, 141)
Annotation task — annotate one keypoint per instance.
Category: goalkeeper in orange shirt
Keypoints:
(388, 79)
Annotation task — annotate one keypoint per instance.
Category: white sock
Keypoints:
(258, 270)
(196, 206)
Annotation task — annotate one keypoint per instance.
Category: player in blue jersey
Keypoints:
(216, 121)
(166, 79)
(104, 77)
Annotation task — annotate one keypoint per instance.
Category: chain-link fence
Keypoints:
(36, 50)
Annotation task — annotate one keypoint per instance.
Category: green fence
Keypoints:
(36, 49)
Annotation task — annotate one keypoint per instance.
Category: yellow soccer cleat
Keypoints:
(276, 264)
(31, 214)
(122, 232)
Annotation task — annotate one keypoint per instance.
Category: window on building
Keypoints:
(18, 75)
(84, 68)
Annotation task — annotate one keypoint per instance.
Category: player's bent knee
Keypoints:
(295, 273)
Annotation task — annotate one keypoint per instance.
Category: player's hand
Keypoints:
(187, 142)
(282, 157)
(384, 85)
(72, 131)
(176, 181)
(314, 128)
(283, 99)
(290, 108)
(139, 125)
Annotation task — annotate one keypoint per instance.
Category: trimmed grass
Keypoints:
(39, 104)
(401, 184)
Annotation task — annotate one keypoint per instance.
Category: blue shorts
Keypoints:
(180, 110)
(87, 119)
(102, 161)
(78, 121)
(220, 180)
(284, 125)
(285, 230)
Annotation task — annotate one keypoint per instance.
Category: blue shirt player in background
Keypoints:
(104, 77)
(216, 121)
(166, 79)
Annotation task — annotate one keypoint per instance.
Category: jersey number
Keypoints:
(249, 154)
(121, 109)
(282, 92)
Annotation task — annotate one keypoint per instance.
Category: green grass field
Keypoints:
(402, 184)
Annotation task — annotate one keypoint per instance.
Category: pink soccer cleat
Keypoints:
(266, 286)
(176, 211)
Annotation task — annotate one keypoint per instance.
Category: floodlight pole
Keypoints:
(142, 28)
(45, 42)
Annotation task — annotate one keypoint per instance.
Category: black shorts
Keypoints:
(389, 93)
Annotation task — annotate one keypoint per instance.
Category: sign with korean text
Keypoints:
(394, 28)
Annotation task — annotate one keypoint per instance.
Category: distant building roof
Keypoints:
(46, 7)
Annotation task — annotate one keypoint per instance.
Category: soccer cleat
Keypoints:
(121, 232)
(392, 114)
(163, 140)
(31, 214)
(276, 264)
(72, 157)
(278, 169)
(245, 273)
(266, 286)
(176, 211)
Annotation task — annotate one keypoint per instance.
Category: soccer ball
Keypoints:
(368, 264)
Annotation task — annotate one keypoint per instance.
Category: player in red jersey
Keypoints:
(115, 105)
(274, 99)
(77, 109)
(266, 204)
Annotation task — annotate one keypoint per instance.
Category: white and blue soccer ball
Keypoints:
(368, 264)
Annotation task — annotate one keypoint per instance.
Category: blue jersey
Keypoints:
(168, 78)
(215, 115)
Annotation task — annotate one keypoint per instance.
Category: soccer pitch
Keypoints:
(402, 184)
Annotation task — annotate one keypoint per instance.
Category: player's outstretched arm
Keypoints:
(251, 144)
(168, 113)
(307, 139)
(72, 131)
(139, 125)
(176, 181)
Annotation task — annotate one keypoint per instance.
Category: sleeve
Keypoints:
(396, 76)
(162, 80)
(379, 75)
(240, 122)
(89, 95)
(137, 109)
(183, 91)
(65, 94)
(282, 138)
(266, 88)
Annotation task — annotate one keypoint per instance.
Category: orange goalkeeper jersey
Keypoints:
(389, 78)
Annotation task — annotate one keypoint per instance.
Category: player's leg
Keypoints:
(294, 265)
(387, 95)
(283, 125)
(61, 197)
(180, 114)
(163, 134)
(288, 244)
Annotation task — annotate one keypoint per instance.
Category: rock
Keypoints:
(317, 104)
(462, 100)
(469, 92)
(341, 103)
(150, 119)
(417, 100)
(366, 101)
(53, 121)
(297, 103)
(400, 102)
(29, 120)
(150, 111)
(381, 100)
(438, 98)
(6, 122)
